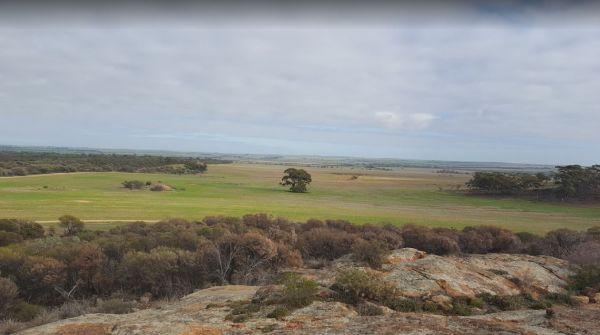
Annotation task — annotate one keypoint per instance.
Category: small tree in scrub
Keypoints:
(71, 225)
(296, 179)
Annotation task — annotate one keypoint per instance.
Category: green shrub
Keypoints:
(7, 238)
(298, 291)
(460, 307)
(430, 307)
(279, 312)
(22, 311)
(353, 286)
(243, 307)
(134, 184)
(114, 306)
(541, 304)
(506, 302)
(403, 304)
(476, 302)
(8, 294)
(365, 309)
(586, 277)
(561, 298)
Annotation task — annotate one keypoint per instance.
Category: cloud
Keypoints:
(415, 121)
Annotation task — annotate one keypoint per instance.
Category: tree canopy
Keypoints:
(296, 179)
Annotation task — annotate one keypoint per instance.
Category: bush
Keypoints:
(460, 307)
(561, 298)
(506, 302)
(430, 241)
(403, 304)
(298, 291)
(7, 238)
(114, 306)
(8, 295)
(134, 184)
(464, 305)
(353, 286)
(367, 309)
(71, 225)
(586, 277)
(325, 243)
(22, 311)
(370, 252)
(486, 239)
(279, 312)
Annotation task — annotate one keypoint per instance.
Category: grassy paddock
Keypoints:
(417, 196)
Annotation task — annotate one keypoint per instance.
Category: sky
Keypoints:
(465, 82)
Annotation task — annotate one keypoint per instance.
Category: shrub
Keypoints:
(561, 242)
(485, 239)
(430, 241)
(367, 309)
(403, 304)
(561, 298)
(506, 302)
(8, 295)
(279, 312)
(353, 286)
(9, 327)
(430, 307)
(298, 291)
(325, 243)
(71, 225)
(134, 184)
(7, 238)
(22, 311)
(464, 305)
(370, 252)
(389, 236)
(30, 230)
(460, 307)
(586, 253)
(586, 277)
(114, 306)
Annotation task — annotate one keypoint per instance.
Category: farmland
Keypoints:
(410, 195)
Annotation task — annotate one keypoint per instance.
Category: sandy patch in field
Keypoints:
(82, 201)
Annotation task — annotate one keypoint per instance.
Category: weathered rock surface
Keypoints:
(204, 312)
(418, 274)
(412, 271)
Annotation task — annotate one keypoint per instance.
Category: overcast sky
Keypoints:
(511, 84)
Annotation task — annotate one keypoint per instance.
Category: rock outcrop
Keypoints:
(418, 274)
(415, 273)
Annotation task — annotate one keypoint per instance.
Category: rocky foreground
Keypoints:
(414, 273)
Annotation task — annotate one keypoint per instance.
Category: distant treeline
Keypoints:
(568, 182)
(26, 163)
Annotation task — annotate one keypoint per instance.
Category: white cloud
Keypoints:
(415, 121)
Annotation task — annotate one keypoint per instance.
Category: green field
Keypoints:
(407, 196)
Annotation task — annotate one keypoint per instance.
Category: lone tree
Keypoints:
(296, 179)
